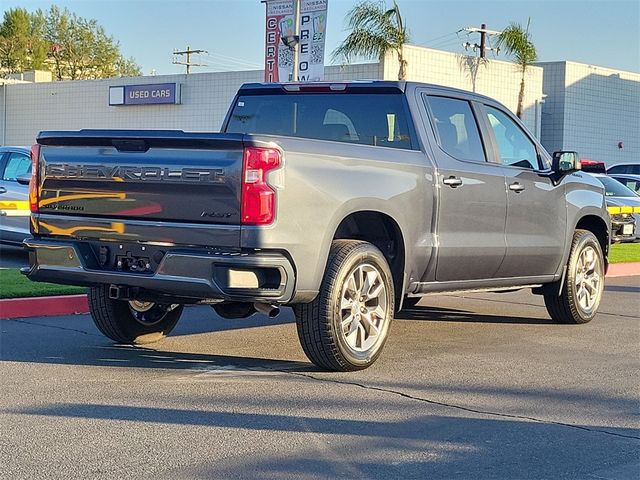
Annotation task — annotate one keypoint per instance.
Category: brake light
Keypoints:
(258, 203)
(35, 178)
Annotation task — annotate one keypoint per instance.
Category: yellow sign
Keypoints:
(616, 210)
(15, 208)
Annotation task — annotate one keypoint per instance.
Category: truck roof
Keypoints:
(372, 86)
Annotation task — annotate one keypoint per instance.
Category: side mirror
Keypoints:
(24, 179)
(565, 162)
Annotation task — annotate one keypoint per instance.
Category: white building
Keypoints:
(27, 109)
(588, 109)
(592, 110)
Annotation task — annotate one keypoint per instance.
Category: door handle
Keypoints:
(452, 181)
(516, 187)
(3, 190)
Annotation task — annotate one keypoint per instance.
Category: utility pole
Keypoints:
(188, 52)
(483, 31)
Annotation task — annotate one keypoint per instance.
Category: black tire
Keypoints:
(118, 320)
(320, 323)
(566, 307)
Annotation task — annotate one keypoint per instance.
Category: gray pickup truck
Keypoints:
(342, 200)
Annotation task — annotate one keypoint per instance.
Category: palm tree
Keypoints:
(374, 32)
(517, 42)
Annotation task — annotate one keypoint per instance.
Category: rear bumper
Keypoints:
(184, 273)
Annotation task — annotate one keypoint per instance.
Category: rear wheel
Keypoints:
(134, 321)
(581, 293)
(347, 324)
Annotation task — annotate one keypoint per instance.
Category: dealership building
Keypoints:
(569, 106)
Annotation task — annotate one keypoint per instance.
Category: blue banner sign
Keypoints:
(155, 94)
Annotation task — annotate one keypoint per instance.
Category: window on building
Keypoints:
(457, 129)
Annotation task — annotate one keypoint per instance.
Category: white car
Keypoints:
(15, 163)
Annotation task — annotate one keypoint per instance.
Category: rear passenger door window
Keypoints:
(515, 148)
(456, 128)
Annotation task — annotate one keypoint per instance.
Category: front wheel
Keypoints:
(347, 325)
(581, 293)
(133, 322)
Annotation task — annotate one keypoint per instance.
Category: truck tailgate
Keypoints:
(144, 178)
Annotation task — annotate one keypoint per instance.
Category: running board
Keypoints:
(480, 290)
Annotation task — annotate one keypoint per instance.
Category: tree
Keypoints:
(517, 43)
(21, 44)
(71, 47)
(374, 32)
(81, 49)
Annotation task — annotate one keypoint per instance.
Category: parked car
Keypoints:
(339, 200)
(14, 222)
(633, 168)
(592, 166)
(625, 226)
(629, 180)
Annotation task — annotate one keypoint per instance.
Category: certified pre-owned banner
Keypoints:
(278, 63)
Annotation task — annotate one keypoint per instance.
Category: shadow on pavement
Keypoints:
(13, 257)
(68, 349)
(447, 446)
(622, 288)
(439, 314)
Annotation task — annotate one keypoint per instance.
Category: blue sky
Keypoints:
(599, 32)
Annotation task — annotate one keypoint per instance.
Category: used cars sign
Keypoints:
(154, 94)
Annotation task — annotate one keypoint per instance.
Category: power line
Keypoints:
(229, 60)
(434, 40)
(214, 62)
(232, 59)
(188, 52)
(221, 67)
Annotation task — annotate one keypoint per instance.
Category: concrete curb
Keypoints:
(43, 306)
(76, 304)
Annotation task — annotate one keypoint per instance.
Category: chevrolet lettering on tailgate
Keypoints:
(142, 173)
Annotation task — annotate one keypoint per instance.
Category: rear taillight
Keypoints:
(35, 178)
(258, 206)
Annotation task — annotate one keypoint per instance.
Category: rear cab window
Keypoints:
(378, 119)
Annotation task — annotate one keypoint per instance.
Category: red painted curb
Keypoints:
(624, 269)
(43, 306)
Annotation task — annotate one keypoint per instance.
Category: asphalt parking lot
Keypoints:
(469, 387)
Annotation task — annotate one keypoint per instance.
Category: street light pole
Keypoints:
(296, 48)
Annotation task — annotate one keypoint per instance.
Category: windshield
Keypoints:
(613, 188)
(366, 119)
